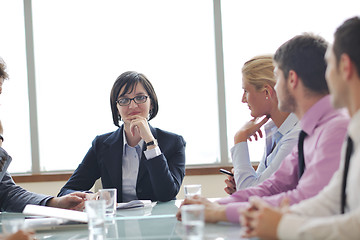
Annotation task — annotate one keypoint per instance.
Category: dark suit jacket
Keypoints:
(13, 198)
(159, 179)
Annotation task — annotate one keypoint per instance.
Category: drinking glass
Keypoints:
(95, 210)
(110, 198)
(192, 217)
(192, 190)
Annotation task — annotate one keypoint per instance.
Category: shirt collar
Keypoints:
(354, 128)
(270, 127)
(311, 118)
(286, 126)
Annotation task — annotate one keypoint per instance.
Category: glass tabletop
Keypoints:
(157, 222)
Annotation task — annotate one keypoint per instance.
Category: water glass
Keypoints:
(12, 223)
(192, 217)
(110, 198)
(192, 190)
(95, 210)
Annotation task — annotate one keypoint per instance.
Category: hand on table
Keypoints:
(260, 219)
(74, 201)
(214, 212)
(92, 196)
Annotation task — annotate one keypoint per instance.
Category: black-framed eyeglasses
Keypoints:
(126, 101)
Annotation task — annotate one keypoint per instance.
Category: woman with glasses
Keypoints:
(140, 161)
(281, 132)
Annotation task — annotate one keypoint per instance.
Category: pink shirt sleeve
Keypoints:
(322, 159)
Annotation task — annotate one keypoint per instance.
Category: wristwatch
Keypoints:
(154, 142)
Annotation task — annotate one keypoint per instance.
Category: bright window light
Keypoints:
(252, 28)
(14, 104)
(80, 51)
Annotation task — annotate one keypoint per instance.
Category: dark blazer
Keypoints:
(14, 198)
(159, 178)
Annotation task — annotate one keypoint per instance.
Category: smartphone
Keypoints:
(226, 172)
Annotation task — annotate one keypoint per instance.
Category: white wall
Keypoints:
(212, 186)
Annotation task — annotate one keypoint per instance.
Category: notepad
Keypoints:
(134, 204)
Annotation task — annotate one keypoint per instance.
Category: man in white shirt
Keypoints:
(335, 212)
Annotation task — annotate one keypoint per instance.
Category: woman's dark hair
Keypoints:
(128, 81)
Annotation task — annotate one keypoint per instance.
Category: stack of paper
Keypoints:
(134, 204)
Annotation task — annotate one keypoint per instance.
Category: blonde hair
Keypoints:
(259, 71)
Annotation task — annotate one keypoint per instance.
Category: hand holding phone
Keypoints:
(230, 182)
(226, 172)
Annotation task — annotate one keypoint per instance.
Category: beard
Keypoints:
(287, 103)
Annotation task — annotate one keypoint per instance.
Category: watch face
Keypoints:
(152, 143)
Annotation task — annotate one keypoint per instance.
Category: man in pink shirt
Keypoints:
(301, 88)
(334, 212)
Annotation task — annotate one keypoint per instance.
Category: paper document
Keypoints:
(56, 212)
(135, 204)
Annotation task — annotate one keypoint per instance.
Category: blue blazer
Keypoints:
(14, 198)
(159, 179)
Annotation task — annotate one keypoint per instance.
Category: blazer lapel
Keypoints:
(112, 157)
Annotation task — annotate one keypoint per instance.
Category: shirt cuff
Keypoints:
(45, 201)
(152, 153)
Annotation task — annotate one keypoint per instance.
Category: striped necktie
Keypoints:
(349, 150)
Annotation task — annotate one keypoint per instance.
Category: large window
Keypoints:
(14, 113)
(252, 28)
(81, 46)
(80, 51)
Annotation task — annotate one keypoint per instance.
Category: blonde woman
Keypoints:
(281, 128)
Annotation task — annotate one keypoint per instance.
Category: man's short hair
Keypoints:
(305, 54)
(347, 40)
